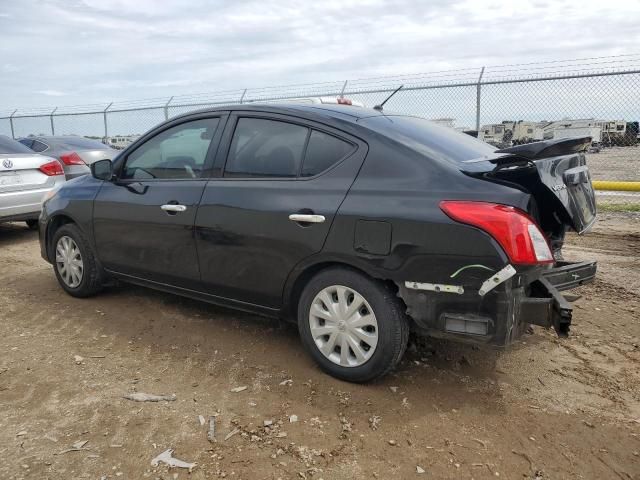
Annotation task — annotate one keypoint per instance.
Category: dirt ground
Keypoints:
(547, 408)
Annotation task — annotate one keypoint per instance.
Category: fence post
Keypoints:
(13, 135)
(243, 94)
(478, 89)
(166, 108)
(106, 130)
(53, 130)
(344, 87)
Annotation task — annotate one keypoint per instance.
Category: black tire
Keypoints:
(393, 324)
(32, 224)
(92, 274)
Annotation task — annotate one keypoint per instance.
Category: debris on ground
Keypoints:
(293, 418)
(78, 359)
(211, 434)
(239, 389)
(374, 422)
(201, 420)
(167, 458)
(287, 382)
(75, 447)
(394, 389)
(419, 469)
(149, 397)
(346, 427)
(231, 434)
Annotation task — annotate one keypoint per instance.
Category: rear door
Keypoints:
(144, 219)
(272, 205)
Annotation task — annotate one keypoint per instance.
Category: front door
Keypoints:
(144, 219)
(273, 205)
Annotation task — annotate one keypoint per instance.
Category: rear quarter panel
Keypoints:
(403, 190)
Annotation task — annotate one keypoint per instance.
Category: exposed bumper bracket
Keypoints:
(567, 275)
(548, 309)
(496, 279)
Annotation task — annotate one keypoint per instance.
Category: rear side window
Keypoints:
(27, 142)
(9, 145)
(265, 148)
(323, 151)
(39, 146)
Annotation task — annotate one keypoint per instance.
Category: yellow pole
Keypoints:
(616, 186)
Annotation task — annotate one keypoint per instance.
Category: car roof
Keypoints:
(332, 111)
(60, 137)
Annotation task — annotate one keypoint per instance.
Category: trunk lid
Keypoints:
(20, 172)
(555, 172)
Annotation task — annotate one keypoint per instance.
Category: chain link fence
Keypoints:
(502, 105)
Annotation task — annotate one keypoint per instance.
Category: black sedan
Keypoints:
(358, 224)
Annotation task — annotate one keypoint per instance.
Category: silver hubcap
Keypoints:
(343, 326)
(69, 261)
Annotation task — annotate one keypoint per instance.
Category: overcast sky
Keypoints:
(65, 52)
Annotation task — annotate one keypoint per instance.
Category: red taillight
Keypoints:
(52, 168)
(515, 231)
(71, 158)
(344, 101)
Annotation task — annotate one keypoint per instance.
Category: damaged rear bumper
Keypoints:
(497, 316)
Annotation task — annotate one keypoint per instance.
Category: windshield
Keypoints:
(432, 140)
(8, 145)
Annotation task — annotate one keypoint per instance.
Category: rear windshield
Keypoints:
(432, 140)
(80, 143)
(8, 145)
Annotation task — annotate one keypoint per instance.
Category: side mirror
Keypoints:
(102, 169)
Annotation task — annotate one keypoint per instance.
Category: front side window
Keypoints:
(265, 148)
(176, 153)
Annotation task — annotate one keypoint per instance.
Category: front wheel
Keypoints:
(75, 264)
(354, 327)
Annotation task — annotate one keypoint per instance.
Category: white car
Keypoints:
(25, 178)
(317, 101)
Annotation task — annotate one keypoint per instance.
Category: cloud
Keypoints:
(51, 93)
(95, 51)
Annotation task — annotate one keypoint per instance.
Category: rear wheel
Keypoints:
(75, 264)
(354, 327)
